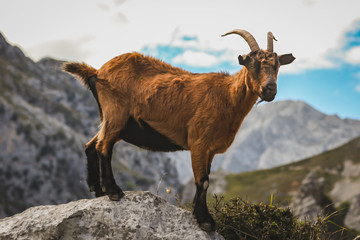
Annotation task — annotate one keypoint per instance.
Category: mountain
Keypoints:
(46, 118)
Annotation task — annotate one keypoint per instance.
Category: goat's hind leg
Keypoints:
(109, 134)
(93, 171)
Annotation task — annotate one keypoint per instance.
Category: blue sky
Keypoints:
(324, 36)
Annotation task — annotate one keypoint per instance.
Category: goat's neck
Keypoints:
(242, 97)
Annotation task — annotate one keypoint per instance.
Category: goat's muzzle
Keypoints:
(268, 92)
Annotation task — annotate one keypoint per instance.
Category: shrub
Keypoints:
(238, 219)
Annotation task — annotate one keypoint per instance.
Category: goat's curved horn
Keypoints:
(247, 36)
(270, 45)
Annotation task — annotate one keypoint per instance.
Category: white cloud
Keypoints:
(196, 59)
(302, 27)
(353, 55)
(63, 49)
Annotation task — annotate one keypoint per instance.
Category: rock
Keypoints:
(138, 215)
(309, 200)
(349, 185)
(352, 219)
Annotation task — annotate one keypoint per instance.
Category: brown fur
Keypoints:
(197, 112)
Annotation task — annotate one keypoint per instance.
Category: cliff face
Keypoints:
(138, 215)
(46, 118)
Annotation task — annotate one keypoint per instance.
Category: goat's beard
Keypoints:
(266, 99)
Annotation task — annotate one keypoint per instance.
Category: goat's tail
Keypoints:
(87, 75)
(81, 71)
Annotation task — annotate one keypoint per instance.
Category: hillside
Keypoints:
(338, 170)
(283, 181)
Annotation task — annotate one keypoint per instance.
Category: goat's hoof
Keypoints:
(207, 227)
(116, 196)
(206, 223)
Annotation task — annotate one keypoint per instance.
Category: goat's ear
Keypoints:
(286, 59)
(243, 60)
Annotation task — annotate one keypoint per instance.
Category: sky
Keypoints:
(323, 35)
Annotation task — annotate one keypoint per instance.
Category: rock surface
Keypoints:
(138, 215)
(349, 185)
(309, 200)
(352, 218)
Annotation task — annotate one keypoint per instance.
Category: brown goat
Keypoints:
(156, 106)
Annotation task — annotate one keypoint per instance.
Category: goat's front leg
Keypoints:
(200, 164)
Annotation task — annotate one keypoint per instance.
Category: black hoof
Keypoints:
(206, 222)
(113, 192)
(207, 226)
(116, 196)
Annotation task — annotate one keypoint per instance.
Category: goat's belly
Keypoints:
(145, 136)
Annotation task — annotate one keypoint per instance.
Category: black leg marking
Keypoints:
(93, 177)
(107, 181)
(201, 212)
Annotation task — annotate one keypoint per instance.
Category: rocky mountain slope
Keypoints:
(46, 118)
(139, 215)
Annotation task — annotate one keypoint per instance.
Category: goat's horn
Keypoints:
(247, 36)
(270, 43)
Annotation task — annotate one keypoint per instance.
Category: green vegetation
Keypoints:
(238, 219)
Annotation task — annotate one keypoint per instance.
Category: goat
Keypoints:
(156, 106)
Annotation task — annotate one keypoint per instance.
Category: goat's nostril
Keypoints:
(271, 86)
